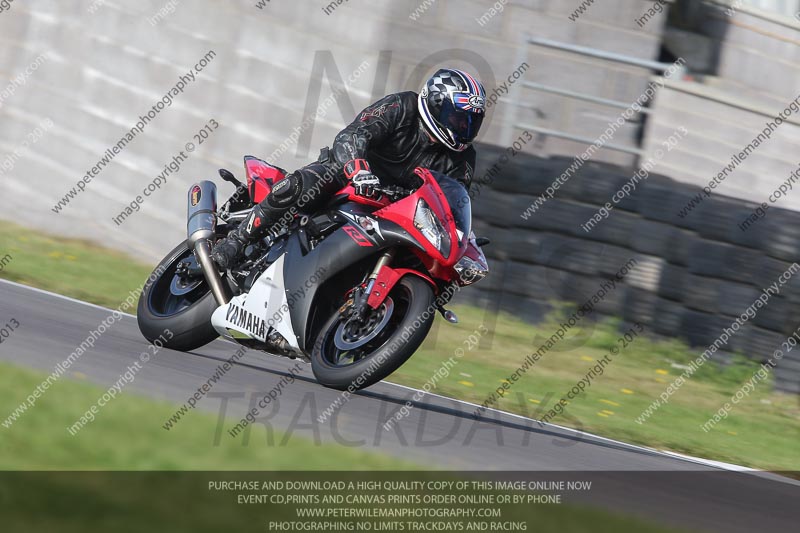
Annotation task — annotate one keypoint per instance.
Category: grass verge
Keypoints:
(127, 435)
(761, 431)
(72, 267)
(102, 492)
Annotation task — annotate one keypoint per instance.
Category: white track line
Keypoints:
(688, 458)
(62, 297)
(666, 453)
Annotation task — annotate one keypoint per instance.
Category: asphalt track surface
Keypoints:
(438, 432)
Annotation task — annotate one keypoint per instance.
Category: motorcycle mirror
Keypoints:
(228, 176)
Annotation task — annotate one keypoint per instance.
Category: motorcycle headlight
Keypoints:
(431, 228)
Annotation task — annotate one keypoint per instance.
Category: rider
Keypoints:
(390, 138)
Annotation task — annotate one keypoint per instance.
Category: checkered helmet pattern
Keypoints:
(441, 87)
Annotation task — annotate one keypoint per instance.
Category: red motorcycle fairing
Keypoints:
(402, 212)
(387, 279)
(261, 177)
(333, 255)
(353, 243)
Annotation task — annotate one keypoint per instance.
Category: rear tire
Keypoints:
(189, 319)
(413, 299)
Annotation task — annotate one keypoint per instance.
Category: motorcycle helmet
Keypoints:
(452, 105)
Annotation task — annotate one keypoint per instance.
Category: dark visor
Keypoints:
(464, 124)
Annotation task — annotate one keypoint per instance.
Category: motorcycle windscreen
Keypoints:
(460, 205)
(261, 177)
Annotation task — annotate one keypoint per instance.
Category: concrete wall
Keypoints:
(608, 26)
(787, 8)
(759, 51)
(103, 64)
(105, 69)
(757, 75)
(721, 126)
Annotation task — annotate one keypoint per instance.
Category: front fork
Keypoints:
(380, 283)
(374, 289)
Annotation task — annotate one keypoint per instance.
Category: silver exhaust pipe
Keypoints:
(200, 227)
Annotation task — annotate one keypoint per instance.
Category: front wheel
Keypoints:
(355, 356)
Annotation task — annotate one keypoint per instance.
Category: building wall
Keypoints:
(757, 77)
(759, 50)
(105, 69)
(720, 127)
(103, 64)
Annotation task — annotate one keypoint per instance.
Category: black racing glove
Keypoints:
(364, 181)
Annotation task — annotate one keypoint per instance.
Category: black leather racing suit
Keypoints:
(390, 135)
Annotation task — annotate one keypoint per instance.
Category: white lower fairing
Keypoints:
(255, 314)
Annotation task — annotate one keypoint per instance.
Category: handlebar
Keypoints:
(394, 192)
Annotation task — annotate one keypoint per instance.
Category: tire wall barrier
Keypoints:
(694, 275)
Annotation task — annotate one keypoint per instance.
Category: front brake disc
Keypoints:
(350, 335)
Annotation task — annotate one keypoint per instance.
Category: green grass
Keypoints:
(762, 431)
(71, 267)
(127, 436)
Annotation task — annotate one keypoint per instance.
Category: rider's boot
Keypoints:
(279, 203)
(229, 250)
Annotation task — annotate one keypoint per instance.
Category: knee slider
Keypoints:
(286, 192)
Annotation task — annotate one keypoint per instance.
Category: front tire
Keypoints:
(413, 312)
(186, 314)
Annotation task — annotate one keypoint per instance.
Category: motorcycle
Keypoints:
(352, 289)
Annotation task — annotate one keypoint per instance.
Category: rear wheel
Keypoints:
(359, 354)
(178, 302)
